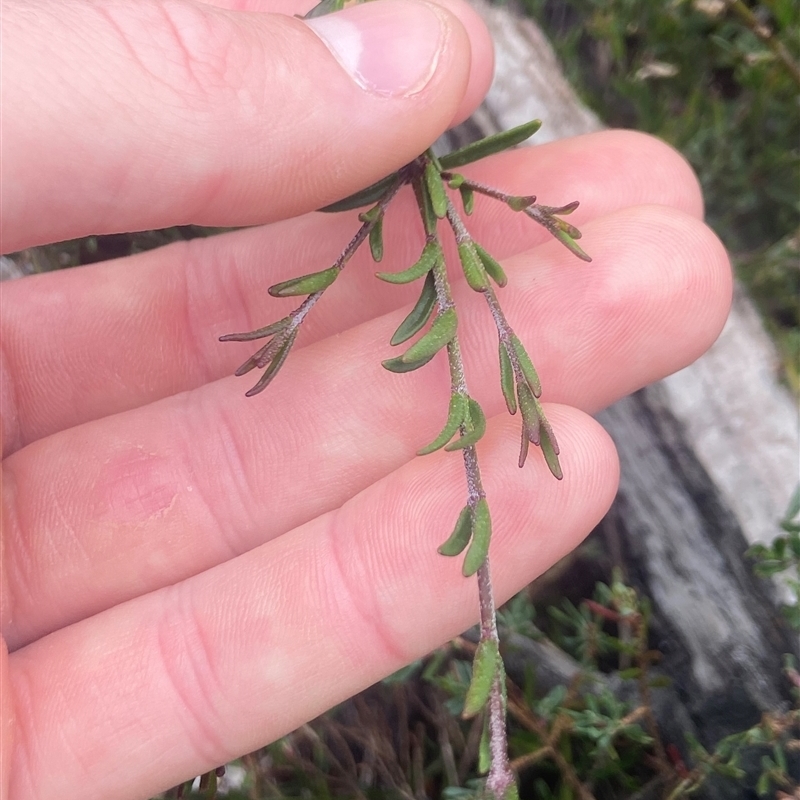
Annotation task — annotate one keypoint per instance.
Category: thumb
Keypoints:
(164, 112)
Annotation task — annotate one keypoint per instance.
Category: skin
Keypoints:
(188, 574)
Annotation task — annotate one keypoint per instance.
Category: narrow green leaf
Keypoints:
(477, 427)
(571, 244)
(484, 749)
(373, 214)
(305, 284)
(423, 266)
(429, 219)
(512, 793)
(467, 199)
(433, 182)
(484, 671)
(399, 366)
(547, 428)
(263, 356)
(272, 370)
(520, 203)
(473, 267)
(376, 240)
(252, 362)
(525, 363)
(460, 536)
(562, 211)
(494, 269)
(325, 7)
(418, 315)
(629, 674)
(523, 448)
(455, 181)
(567, 228)
(481, 534)
(459, 409)
(364, 197)
(261, 333)
(490, 145)
(793, 509)
(531, 417)
(438, 336)
(434, 159)
(550, 449)
(507, 379)
(527, 404)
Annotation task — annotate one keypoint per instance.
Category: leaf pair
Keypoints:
(522, 388)
(465, 414)
(278, 360)
(456, 181)
(374, 217)
(559, 228)
(516, 364)
(536, 429)
(272, 355)
(473, 528)
(479, 266)
(440, 334)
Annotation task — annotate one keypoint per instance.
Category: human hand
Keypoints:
(187, 573)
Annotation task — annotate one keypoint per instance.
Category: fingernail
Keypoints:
(390, 47)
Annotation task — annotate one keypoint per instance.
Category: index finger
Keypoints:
(154, 114)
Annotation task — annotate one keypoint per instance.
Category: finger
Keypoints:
(171, 489)
(199, 673)
(160, 113)
(481, 46)
(148, 326)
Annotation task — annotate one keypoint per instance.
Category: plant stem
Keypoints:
(500, 778)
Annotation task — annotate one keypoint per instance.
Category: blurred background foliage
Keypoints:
(720, 81)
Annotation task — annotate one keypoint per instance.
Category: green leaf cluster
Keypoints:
(782, 557)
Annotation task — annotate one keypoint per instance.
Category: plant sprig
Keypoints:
(435, 318)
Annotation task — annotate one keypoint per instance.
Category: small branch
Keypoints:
(273, 354)
(500, 777)
(485, 189)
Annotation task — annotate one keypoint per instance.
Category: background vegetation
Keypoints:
(719, 80)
